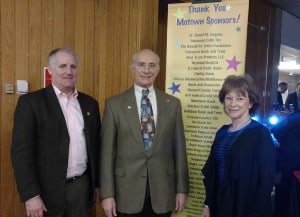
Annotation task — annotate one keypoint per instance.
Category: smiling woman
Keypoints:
(242, 157)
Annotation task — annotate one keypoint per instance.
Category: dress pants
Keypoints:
(76, 199)
(147, 210)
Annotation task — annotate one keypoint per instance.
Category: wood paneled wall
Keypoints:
(104, 34)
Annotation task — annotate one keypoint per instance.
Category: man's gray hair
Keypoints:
(52, 55)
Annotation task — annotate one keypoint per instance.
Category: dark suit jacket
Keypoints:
(40, 145)
(292, 99)
(125, 165)
(287, 132)
(279, 98)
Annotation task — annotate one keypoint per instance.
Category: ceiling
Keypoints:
(290, 6)
(288, 54)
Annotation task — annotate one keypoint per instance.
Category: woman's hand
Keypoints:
(206, 212)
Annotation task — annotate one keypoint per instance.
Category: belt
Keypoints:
(71, 179)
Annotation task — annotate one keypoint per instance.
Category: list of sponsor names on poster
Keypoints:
(203, 78)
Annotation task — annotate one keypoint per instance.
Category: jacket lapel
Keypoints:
(53, 104)
(57, 117)
(83, 105)
(163, 111)
(131, 113)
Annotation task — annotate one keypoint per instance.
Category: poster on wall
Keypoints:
(206, 42)
(47, 77)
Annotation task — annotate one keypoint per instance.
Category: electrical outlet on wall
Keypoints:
(9, 88)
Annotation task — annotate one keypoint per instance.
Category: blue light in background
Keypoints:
(273, 120)
(256, 118)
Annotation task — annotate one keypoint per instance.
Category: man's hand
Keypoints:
(180, 202)
(109, 206)
(35, 207)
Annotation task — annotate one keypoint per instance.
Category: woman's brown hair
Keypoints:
(243, 84)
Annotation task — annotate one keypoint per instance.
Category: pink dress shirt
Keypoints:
(77, 162)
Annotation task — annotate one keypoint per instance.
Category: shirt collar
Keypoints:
(139, 89)
(58, 92)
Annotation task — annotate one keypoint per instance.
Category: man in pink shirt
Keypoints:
(55, 144)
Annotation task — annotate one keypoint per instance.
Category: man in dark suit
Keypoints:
(293, 99)
(288, 160)
(55, 144)
(139, 180)
(281, 89)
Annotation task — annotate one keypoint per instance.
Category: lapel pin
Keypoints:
(129, 107)
(88, 113)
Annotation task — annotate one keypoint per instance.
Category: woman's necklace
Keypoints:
(231, 129)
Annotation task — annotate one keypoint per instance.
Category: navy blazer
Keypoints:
(40, 145)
